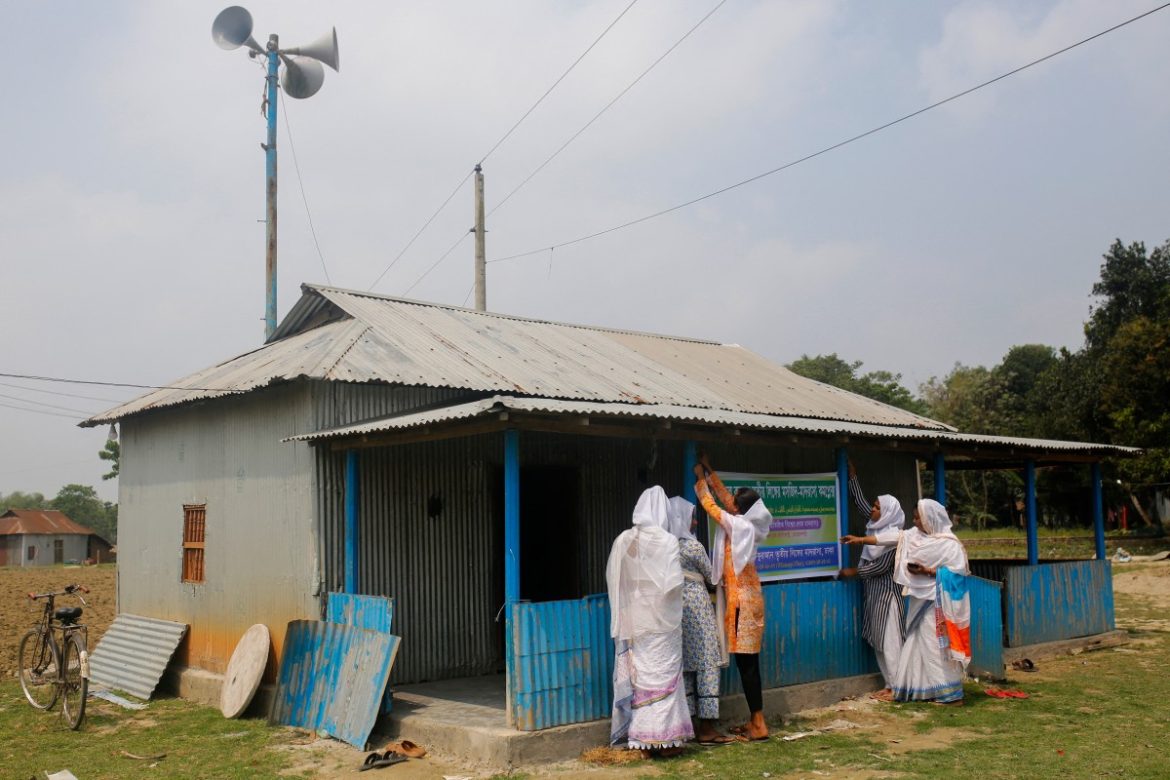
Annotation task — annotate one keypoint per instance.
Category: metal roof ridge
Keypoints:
(514, 317)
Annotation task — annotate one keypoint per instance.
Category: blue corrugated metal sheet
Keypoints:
(812, 631)
(1055, 601)
(375, 613)
(986, 628)
(331, 679)
(560, 662)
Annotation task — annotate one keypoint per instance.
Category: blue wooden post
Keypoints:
(1030, 504)
(1098, 511)
(351, 521)
(843, 502)
(940, 479)
(690, 458)
(511, 516)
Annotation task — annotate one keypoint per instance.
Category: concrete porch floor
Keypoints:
(465, 719)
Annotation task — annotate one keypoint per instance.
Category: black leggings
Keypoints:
(748, 665)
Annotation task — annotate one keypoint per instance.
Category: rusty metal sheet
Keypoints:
(331, 679)
(1054, 601)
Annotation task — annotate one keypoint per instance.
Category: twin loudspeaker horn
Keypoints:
(232, 29)
(303, 74)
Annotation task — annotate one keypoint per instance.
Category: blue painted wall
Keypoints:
(1055, 601)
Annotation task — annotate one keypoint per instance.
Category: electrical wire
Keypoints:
(297, 167)
(833, 147)
(41, 411)
(586, 126)
(497, 145)
(608, 106)
(47, 406)
(55, 392)
(558, 81)
(34, 378)
(435, 264)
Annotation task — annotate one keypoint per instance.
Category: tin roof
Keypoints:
(343, 335)
(492, 407)
(39, 521)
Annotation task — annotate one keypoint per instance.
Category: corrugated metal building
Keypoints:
(370, 444)
(43, 537)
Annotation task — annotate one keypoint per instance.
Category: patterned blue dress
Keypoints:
(701, 655)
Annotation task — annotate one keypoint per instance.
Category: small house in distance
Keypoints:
(42, 537)
(476, 467)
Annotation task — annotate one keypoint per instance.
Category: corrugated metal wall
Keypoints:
(986, 628)
(75, 548)
(812, 631)
(1054, 601)
(560, 663)
(260, 545)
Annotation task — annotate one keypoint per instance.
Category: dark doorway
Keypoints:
(549, 533)
(58, 551)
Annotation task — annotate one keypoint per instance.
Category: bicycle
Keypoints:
(50, 669)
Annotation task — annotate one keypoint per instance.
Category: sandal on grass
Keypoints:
(719, 739)
(379, 760)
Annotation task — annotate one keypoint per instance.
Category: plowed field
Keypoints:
(18, 613)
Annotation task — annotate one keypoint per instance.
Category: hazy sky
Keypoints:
(132, 183)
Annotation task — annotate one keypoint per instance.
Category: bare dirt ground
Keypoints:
(18, 613)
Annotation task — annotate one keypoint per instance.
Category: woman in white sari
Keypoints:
(931, 565)
(645, 582)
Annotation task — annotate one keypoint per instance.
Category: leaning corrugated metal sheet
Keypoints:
(347, 336)
(134, 652)
(493, 406)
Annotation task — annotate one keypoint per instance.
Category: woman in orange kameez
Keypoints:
(742, 526)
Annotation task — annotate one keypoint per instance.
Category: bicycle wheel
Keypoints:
(38, 661)
(74, 686)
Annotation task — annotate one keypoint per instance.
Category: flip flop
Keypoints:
(722, 739)
(407, 749)
(996, 693)
(1024, 665)
(380, 760)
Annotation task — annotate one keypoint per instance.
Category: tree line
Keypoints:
(1114, 389)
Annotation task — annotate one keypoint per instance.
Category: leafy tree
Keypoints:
(881, 386)
(18, 500)
(81, 503)
(113, 453)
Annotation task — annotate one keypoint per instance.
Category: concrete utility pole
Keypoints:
(480, 252)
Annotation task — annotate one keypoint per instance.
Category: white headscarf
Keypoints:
(747, 531)
(892, 517)
(935, 546)
(681, 511)
(644, 574)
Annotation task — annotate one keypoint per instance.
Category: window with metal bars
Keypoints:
(194, 529)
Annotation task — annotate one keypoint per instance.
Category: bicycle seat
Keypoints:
(68, 615)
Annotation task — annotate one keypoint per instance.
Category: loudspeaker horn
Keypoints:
(303, 76)
(232, 29)
(323, 49)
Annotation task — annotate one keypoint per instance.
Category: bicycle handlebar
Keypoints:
(68, 591)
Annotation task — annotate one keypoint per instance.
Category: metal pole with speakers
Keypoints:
(302, 78)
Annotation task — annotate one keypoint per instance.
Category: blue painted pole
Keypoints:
(940, 479)
(351, 521)
(511, 516)
(1098, 511)
(270, 194)
(690, 458)
(1030, 504)
(842, 503)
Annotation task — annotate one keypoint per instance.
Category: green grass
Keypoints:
(198, 741)
(1054, 543)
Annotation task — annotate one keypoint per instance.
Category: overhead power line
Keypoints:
(47, 406)
(57, 392)
(577, 134)
(42, 411)
(497, 145)
(833, 147)
(35, 378)
(607, 106)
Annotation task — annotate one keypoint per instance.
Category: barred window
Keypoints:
(194, 528)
